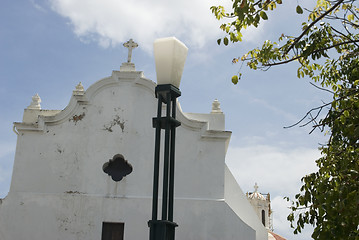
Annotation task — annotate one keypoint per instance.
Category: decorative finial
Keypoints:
(256, 187)
(79, 90)
(130, 45)
(216, 107)
(35, 104)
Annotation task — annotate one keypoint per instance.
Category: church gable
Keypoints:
(86, 171)
(114, 116)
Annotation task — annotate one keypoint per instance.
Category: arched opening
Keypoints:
(264, 217)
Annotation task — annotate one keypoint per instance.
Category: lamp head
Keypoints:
(170, 57)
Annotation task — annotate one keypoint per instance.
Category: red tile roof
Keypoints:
(272, 235)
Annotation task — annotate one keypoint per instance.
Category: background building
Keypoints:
(261, 205)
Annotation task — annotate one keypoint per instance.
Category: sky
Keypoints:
(49, 46)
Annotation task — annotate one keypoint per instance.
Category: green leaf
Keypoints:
(342, 119)
(219, 41)
(346, 113)
(225, 41)
(263, 15)
(351, 17)
(235, 79)
(299, 10)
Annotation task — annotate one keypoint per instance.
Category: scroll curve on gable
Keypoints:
(76, 101)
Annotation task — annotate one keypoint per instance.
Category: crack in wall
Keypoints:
(114, 122)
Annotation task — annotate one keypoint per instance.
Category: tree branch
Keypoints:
(309, 113)
(342, 34)
(327, 90)
(318, 50)
(312, 24)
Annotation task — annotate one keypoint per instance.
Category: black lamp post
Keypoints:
(170, 55)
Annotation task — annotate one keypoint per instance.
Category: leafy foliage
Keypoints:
(327, 51)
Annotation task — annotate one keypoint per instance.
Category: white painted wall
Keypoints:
(59, 191)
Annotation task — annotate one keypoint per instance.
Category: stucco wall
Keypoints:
(59, 190)
(238, 202)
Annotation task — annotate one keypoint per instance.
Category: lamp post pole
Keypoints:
(170, 55)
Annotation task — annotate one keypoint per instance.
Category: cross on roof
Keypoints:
(130, 45)
(256, 187)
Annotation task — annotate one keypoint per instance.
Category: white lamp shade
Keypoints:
(170, 57)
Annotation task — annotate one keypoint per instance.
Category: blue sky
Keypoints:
(48, 46)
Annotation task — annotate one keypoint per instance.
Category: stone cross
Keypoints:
(130, 45)
(256, 187)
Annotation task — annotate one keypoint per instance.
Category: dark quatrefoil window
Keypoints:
(117, 167)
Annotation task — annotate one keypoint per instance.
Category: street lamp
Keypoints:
(170, 56)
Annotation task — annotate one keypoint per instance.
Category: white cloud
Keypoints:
(38, 6)
(274, 169)
(111, 22)
(282, 225)
(277, 171)
(280, 210)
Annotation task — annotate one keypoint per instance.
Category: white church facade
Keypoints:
(59, 189)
